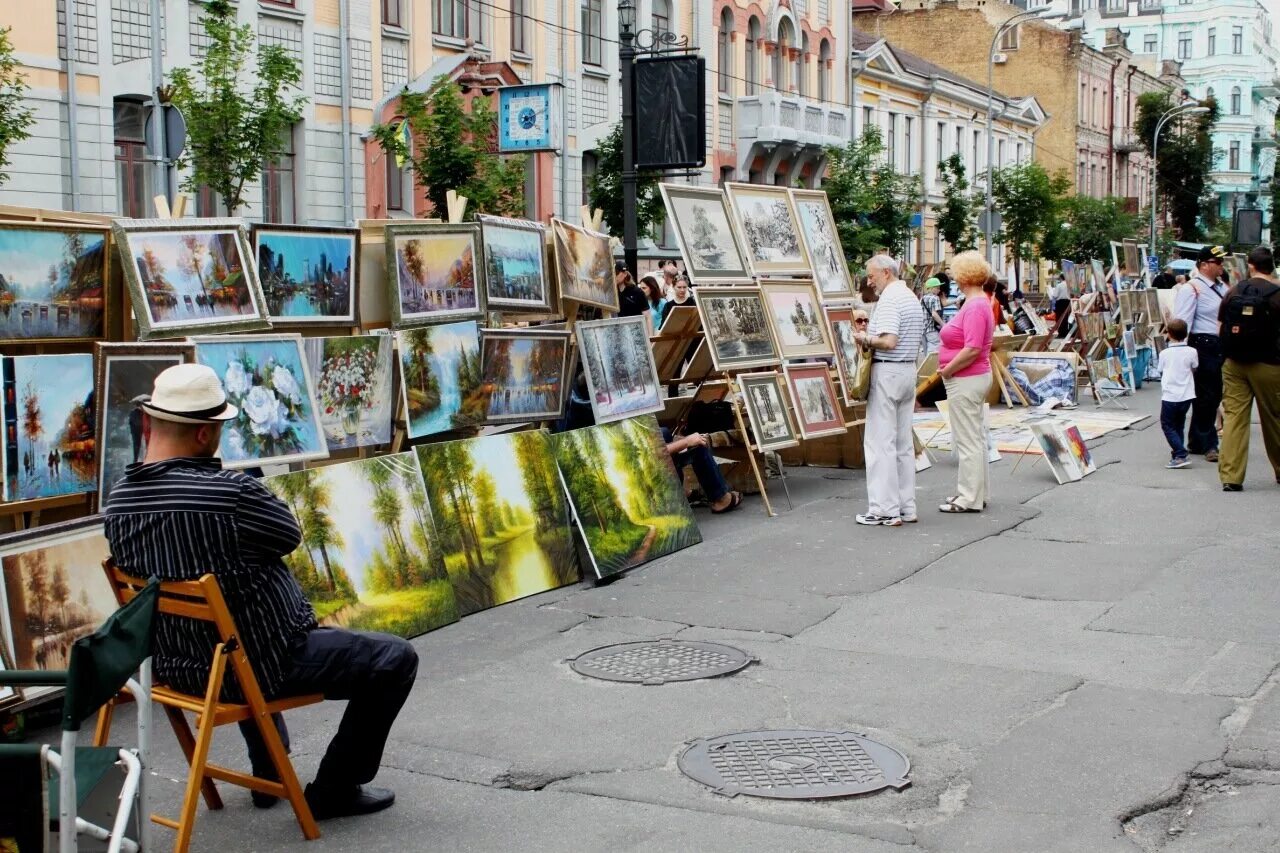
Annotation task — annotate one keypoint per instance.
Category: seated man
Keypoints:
(178, 515)
(695, 450)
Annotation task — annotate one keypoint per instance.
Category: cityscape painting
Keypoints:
(440, 377)
(622, 379)
(308, 274)
(766, 219)
(53, 282)
(515, 261)
(584, 266)
(353, 380)
(523, 374)
(705, 234)
(49, 423)
(432, 274)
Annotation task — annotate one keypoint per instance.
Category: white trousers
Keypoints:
(887, 445)
(965, 398)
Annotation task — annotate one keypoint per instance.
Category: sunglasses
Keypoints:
(861, 322)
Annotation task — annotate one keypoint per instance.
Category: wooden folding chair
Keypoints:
(202, 600)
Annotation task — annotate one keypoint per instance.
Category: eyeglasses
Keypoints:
(861, 322)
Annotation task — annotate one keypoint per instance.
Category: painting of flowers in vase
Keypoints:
(353, 385)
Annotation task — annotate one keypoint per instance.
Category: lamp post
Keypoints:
(626, 58)
(1175, 112)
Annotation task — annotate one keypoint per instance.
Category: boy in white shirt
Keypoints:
(1177, 389)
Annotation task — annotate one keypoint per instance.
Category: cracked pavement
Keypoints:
(1087, 667)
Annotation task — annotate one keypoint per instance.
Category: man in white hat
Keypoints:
(178, 515)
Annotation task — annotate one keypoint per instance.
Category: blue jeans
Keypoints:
(1173, 420)
(704, 468)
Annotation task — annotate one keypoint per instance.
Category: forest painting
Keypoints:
(795, 311)
(369, 560)
(353, 383)
(501, 518)
(50, 423)
(736, 327)
(308, 274)
(625, 493)
(432, 273)
(52, 282)
(818, 228)
(705, 233)
(440, 377)
(618, 362)
(523, 375)
(766, 219)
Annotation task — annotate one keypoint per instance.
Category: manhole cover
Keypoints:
(794, 765)
(660, 661)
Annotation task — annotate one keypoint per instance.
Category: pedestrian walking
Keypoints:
(1177, 390)
(1198, 305)
(1250, 317)
(931, 304)
(1061, 297)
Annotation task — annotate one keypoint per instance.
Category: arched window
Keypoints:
(802, 66)
(824, 84)
(753, 57)
(724, 46)
(1208, 94)
(661, 17)
(1235, 100)
(781, 59)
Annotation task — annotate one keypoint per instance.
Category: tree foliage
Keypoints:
(1029, 200)
(604, 188)
(1087, 227)
(871, 202)
(16, 117)
(238, 117)
(957, 217)
(1185, 156)
(451, 145)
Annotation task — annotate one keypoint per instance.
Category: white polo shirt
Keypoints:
(1177, 373)
(898, 313)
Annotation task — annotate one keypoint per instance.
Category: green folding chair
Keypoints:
(101, 665)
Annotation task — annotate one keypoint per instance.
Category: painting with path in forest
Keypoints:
(625, 493)
(308, 273)
(53, 282)
(440, 377)
(432, 274)
(50, 425)
(353, 377)
(523, 375)
(501, 518)
(515, 263)
(369, 559)
(622, 379)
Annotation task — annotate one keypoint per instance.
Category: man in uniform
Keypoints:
(1198, 305)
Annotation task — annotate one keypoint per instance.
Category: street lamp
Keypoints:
(1176, 112)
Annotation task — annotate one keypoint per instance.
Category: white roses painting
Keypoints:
(266, 378)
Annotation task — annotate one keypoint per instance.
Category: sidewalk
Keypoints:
(1073, 670)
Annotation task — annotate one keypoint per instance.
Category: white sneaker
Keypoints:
(880, 520)
(1179, 463)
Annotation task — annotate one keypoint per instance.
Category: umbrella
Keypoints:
(1183, 265)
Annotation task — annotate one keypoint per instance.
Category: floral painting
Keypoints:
(53, 282)
(523, 375)
(266, 378)
(308, 274)
(353, 386)
(49, 424)
(440, 377)
(515, 264)
(432, 273)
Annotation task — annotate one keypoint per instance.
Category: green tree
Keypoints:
(319, 533)
(957, 217)
(1029, 200)
(604, 188)
(451, 146)
(237, 117)
(1087, 227)
(871, 202)
(1186, 158)
(16, 118)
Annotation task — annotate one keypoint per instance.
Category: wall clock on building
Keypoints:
(527, 118)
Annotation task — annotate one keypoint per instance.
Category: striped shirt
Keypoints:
(898, 313)
(181, 518)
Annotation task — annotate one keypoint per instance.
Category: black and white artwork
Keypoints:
(705, 234)
(767, 222)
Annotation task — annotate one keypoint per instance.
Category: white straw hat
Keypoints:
(189, 394)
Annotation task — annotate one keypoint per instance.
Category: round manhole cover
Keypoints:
(794, 765)
(660, 661)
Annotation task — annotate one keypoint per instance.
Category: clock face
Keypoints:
(526, 119)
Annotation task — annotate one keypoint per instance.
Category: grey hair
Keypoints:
(883, 262)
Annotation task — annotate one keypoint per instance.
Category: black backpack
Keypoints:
(1250, 323)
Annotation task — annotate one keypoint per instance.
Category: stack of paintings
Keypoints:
(432, 273)
(523, 374)
(622, 379)
(53, 282)
(440, 377)
(353, 385)
(308, 274)
(50, 424)
(515, 264)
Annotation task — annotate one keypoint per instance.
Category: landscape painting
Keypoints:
(55, 592)
(768, 410)
(817, 409)
(369, 560)
(849, 354)
(501, 518)
(190, 276)
(795, 311)
(1054, 445)
(432, 275)
(126, 375)
(622, 379)
(736, 327)
(53, 282)
(584, 266)
(353, 381)
(626, 496)
(523, 375)
(818, 228)
(766, 219)
(440, 377)
(266, 378)
(308, 274)
(705, 234)
(515, 262)
(50, 422)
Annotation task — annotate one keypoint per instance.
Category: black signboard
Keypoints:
(670, 107)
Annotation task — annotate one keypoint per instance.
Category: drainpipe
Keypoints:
(924, 184)
(564, 111)
(73, 99)
(157, 108)
(1128, 115)
(1111, 133)
(344, 57)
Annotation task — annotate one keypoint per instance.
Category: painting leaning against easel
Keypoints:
(49, 425)
(53, 282)
(353, 378)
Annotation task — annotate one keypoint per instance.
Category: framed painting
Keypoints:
(501, 518)
(849, 355)
(9, 694)
(190, 276)
(1099, 274)
(584, 266)
(736, 327)
(1118, 268)
(769, 229)
(440, 377)
(625, 493)
(822, 240)
(432, 275)
(53, 282)
(795, 313)
(353, 377)
(622, 380)
(515, 264)
(266, 378)
(308, 273)
(370, 558)
(49, 426)
(1238, 267)
(768, 406)
(125, 375)
(55, 592)
(523, 374)
(817, 409)
(705, 234)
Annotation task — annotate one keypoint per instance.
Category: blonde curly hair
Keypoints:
(969, 269)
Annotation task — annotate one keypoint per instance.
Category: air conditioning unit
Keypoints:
(1000, 58)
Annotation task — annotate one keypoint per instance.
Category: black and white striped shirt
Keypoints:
(182, 518)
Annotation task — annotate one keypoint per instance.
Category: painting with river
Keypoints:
(501, 517)
(307, 273)
(52, 282)
(50, 447)
(440, 377)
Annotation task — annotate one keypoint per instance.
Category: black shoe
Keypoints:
(348, 802)
(1232, 487)
(261, 800)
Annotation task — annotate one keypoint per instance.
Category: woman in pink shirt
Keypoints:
(964, 363)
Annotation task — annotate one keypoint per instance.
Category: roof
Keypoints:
(863, 41)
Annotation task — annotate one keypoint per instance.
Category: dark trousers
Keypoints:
(704, 468)
(373, 672)
(1173, 420)
(1203, 434)
(1062, 310)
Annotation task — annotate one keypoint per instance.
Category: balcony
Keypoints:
(771, 118)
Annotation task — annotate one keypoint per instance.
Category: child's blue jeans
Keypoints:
(1173, 420)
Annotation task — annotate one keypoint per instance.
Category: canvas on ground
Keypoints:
(769, 410)
(50, 422)
(515, 264)
(618, 361)
(352, 374)
(501, 518)
(1080, 450)
(440, 377)
(53, 282)
(1055, 446)
(705, 233)
(795, 311)
(432, 275)
(626, 496)
(736, 326)
(818, 228)
(584, 266)
(369, 559)
(308, 275)
(523, 375)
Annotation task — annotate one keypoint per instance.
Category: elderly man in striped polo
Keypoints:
(894, 336)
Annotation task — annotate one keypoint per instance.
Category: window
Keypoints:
(395, 183)
(1018, 153)
(589, 165)
(392, 13)
(891, 142)
(1000, 154)
(802, 66)
(1233, 157)
(977, 137)
(939, 154)
(724, 50)
(1083, 112)
(1149, 43)
(1080, 188)
(753, 57)
(1208, 94)
(461, 19)
(1213, 41)
(1237, 40)
(520, 26)
(868, 116)
(1009, 39)
(824, 80)
(134, 175)
(661, 16)
(1235, 100)
(1184, 44)
(593, 32)
(908, 149)
(726, 175)
(1093, 178)
(209, 203)
(781, 55)
(959, 140)
(277, 185)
